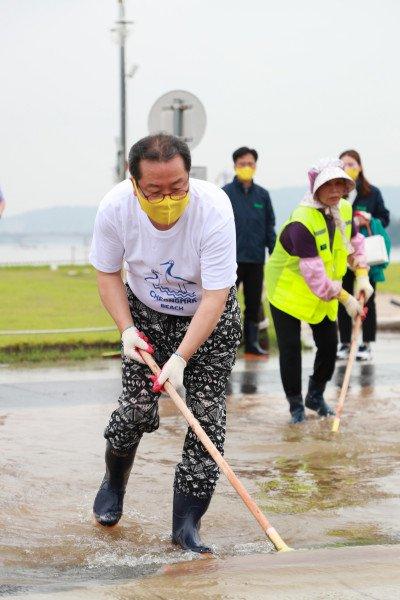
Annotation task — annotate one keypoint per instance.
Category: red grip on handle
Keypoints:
(157, 388)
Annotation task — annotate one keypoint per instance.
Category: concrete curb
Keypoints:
(388, 324)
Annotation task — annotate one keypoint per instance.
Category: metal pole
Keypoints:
(122, 142)
(178, 119)
(121, 31)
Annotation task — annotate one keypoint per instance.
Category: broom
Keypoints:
(352, 354)
(266, 526)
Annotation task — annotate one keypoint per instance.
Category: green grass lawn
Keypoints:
(39, 298)
(392, 283)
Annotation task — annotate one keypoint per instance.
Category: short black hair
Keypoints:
(160, 147)
(244, 150)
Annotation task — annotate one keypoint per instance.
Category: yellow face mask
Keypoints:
(353, 172)
(245, 173)
(165, 211)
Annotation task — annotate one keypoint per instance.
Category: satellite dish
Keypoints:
(179, 113)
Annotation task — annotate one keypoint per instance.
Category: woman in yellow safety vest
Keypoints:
(304, 281)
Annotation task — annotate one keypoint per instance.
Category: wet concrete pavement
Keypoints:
(369, 572)
(319, 489)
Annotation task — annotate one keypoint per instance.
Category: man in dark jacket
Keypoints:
(255, 222)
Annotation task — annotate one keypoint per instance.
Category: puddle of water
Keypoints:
(360, 535)
(323, 481)
(318, 489)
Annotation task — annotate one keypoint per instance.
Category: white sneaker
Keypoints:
(343, 352)
(364, 352)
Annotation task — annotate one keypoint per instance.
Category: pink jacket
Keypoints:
(314, 273)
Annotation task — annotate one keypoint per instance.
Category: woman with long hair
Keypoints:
(368, 205)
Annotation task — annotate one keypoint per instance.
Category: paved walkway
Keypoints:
(319, 490)
(363, 573)
(388, 313)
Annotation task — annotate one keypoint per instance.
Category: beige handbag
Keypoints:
(375, 249)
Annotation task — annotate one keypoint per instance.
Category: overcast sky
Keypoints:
(295, 79)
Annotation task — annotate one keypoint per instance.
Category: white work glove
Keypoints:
(362, 218)
(133, 339)
(363, 284)
(353, 307)
(172, 370)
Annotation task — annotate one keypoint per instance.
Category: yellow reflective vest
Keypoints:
(286, 287)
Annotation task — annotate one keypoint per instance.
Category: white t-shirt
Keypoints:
(167, 270)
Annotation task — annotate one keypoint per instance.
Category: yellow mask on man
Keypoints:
(165, 211)
(353, 172)
(245, 173)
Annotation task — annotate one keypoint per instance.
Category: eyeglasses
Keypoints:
(246, 164)
(155, 198)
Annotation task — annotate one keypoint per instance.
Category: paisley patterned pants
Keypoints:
(205, 381)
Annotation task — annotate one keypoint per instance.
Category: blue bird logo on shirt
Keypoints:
(172, 280)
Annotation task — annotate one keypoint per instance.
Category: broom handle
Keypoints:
(266, 526)
(349, 366)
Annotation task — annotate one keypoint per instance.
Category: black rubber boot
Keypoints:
(315, 399)
(296, 409)
(186, 519)
(251, 344)
(108, 504)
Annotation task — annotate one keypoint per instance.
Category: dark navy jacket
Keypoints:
(254, 220)
(373, 203)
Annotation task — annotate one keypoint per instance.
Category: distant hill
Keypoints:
(78, 220)
(394, 232)
(63, 220)
(284, 200)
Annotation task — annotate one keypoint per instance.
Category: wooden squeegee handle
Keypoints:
(213, 451)
(346, 379)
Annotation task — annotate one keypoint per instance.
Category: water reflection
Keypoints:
(365, 377)
(318, 488)
(248, 382)
(334, 476)
(254, 379)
